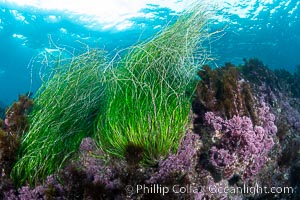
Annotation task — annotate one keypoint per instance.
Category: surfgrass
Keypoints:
(149, 96)
(64, 111)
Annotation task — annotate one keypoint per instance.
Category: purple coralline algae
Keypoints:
(181, 162)
(242, 148)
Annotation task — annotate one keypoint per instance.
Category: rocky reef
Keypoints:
(242, 141)
(11, 130)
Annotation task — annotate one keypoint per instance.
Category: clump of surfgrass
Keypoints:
(149, 95)
(64, 112)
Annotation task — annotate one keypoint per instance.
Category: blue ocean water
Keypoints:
(268, 30)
